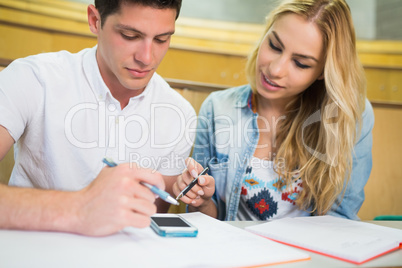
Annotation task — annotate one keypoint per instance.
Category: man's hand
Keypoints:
(116, 199)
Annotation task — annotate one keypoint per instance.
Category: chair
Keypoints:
(388, 218)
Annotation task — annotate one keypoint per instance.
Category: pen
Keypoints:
(191, 185)
(162, 194)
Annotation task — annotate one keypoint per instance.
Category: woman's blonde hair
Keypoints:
(322, 124)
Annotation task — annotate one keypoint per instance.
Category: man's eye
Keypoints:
(128, 37)
(161, 41)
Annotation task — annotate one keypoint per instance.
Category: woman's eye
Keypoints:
(302, 66)
(273, 46)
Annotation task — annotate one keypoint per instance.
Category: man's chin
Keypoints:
(137, 86)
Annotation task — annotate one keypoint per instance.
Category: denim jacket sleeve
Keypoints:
(204, 151)
(362, 163)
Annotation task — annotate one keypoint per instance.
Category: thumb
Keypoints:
(205, 180)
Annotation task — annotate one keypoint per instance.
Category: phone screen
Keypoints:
(170, 222)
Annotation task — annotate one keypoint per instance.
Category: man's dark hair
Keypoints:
(108, 7)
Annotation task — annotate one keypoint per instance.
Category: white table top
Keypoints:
(45, 249)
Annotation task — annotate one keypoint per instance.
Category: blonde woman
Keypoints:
(297, 140)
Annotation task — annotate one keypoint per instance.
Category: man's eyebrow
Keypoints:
(296, 54)
(131, 29)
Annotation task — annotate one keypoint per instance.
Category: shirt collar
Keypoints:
(92, 72)
(247, 99)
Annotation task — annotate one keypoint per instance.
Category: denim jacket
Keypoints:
(227, 135)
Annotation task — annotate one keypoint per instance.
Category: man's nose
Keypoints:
(144, 53)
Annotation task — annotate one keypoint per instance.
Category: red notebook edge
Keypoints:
(336, 257)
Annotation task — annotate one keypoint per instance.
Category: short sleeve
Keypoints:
(20, 94)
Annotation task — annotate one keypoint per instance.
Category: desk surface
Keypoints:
(47, 249)
(393, 259)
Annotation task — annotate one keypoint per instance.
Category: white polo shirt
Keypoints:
(64, 120)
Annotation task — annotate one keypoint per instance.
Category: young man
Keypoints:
(65, 112)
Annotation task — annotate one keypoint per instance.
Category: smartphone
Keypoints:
(172, 225)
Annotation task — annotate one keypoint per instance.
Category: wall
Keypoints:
(364, 18)
(383, 190)
(389, 20)
(210, 55)
(373, 19)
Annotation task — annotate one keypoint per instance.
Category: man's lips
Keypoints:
(138, 73)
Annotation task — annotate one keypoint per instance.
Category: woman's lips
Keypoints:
(270, 85)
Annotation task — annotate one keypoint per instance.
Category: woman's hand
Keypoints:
(199, 197)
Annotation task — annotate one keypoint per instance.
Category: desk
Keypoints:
(50, 249)
(393, 259)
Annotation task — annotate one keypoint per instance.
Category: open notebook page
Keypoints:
(348, 240)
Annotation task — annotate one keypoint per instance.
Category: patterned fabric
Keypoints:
(260, 197)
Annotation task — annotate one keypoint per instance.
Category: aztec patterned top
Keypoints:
(261, 200)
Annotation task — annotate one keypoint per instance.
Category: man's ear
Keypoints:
(93, 19)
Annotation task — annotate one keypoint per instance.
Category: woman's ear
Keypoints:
(321, 77)
(93, 19)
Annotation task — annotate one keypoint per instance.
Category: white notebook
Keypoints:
(347, 240)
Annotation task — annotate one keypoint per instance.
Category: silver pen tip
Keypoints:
(173, 201)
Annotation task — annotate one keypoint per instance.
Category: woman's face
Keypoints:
(290, 59)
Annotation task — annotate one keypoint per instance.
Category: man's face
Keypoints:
(132, 44)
